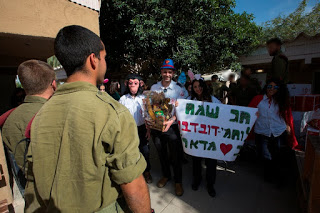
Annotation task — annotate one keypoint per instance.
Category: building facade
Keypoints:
(304, 59)
(28, 29)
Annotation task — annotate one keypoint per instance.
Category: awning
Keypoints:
(92, 4)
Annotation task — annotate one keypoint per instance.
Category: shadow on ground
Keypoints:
(240, 188)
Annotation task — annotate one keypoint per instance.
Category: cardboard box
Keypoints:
(305, 103)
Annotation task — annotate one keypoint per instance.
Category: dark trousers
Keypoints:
(144, 145)
(165, 142)
(269, 149)
(211, 171)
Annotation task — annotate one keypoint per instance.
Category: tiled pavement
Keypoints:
(240, 188)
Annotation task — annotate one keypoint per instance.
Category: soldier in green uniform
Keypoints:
(38, 81)
(84, 144)
(280, 62)
(215, 86)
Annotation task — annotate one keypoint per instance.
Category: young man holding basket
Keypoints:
(169, 139)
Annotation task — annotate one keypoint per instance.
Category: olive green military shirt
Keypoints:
(14, 128)
(216, 86)
(84, 144)
(279, 67)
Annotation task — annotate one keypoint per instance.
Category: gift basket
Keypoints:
(157, 109)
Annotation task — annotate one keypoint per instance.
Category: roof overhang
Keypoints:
(17, 48)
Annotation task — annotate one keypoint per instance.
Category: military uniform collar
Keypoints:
(75, 87)
(34, 99)
(278, 53)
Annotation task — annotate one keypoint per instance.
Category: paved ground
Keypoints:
(18, 202)
(240, 188)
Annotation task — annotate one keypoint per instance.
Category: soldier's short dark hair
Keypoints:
(232, 75)
(35, 76)
(73, 45)
(214, 77)
(275, 40)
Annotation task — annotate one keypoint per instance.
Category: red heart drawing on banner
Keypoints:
(225, 148)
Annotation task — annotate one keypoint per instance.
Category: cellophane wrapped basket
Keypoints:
(157, 109)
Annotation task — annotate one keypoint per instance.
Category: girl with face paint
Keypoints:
(132, 99)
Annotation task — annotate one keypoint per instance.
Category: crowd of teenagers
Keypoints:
(77, 149)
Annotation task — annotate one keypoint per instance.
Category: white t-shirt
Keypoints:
(269, 121)
(135, 107)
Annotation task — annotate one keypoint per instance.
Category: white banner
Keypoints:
(214, 131)
(299, 89)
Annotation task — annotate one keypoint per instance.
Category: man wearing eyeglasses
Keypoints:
(170, 137)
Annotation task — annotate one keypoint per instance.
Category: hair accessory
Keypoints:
(191, 75)
(106, 81)
(197, 76)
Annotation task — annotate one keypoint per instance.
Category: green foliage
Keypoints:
(53, 61)
(204, 34)
(290, 26)
(18, 83)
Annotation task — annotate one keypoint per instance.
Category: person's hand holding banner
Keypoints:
(214, 131)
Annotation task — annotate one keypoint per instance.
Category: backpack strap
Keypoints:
(27, 133)
(4, 116)
(19, 174)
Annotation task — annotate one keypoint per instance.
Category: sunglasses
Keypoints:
(272, 87)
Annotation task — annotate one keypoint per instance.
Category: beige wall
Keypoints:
(28, 27)
(44, 18)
